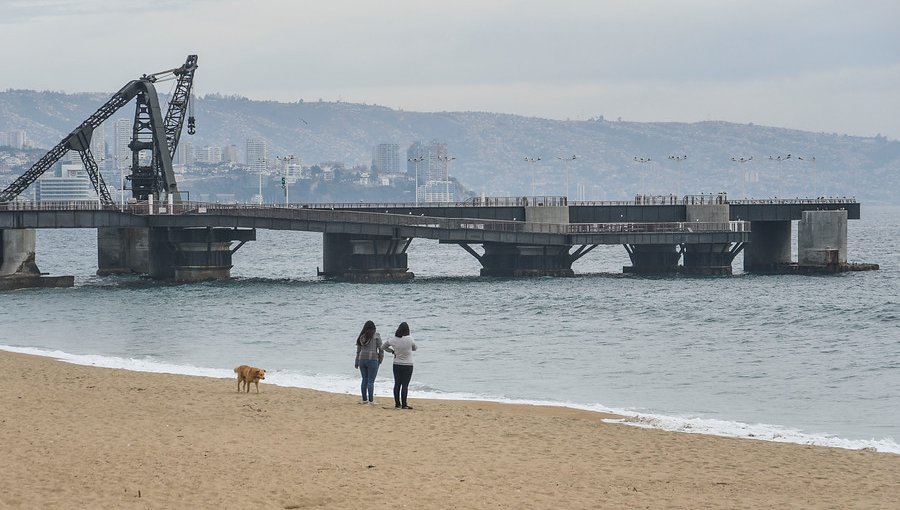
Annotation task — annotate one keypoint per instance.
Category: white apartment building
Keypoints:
(72, 185)
(257, 155)
(16, 139)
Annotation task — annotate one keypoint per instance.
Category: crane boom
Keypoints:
(178, 104)
(80, 140)
(151, 132)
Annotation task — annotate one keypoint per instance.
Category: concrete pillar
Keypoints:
(707, 258)
(365, 258)
(707, 213)
(547, 214)
(17, 252)
(336, 252)
(509, 260)
(18, 269)
(193, 254)
(652, 258)
(123, 251)
(769, 248)
(822, 239)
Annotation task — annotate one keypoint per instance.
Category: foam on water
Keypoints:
(348, 385)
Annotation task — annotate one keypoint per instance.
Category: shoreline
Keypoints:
(702, 426)
(82, 436)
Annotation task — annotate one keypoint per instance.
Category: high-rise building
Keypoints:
(229, 154)
(437, 162)
(185, 153)
(208, 154)
(386, 159)
(430, 161)
(98, 145)
(16, 139)
(257, 155)
(121, 138)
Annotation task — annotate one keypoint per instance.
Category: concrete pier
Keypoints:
(708, 258)
(194, 254)
(652, 258)
(822, 240)
(123, 251)
(514, 260)
(510, 260)
(356, 257)
(18, 268)
(769, 249)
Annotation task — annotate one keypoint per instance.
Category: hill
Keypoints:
(491, 148)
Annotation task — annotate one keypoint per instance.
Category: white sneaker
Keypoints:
(363, 401)
(371, 403)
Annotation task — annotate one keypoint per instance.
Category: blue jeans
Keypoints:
(368, 369)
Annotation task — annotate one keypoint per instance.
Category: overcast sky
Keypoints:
(831, 66)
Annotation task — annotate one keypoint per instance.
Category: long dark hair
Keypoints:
(402, 330)
(368, 331)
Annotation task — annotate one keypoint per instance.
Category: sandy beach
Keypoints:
(85, 437)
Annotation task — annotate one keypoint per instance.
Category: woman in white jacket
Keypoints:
(402, 347)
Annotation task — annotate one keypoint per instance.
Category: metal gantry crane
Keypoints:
(151, 134)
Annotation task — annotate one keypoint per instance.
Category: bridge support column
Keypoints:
(18, 269)
(360, 258)
(123, 251)
(652, 258)
(769, 249)
(500, 259)
(822, 240)
(708, 258)
(194, 254)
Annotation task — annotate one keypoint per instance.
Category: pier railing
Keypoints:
(548, 201)
(305, 213)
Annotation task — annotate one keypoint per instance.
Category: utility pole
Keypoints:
(740, 161)
(642, 161)
(415, 161)
(566, 161)
(532, 161)
(447, 160)
(678, 173)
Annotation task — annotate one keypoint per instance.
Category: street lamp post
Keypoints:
(447, 160)
(643, 161)
(780, 159)
(532, 161)
(261, 162)
(415, 161)
(677, 173)
(286, 161)
(740, 161)
(566, 161)
(121, 182)
(814, 175)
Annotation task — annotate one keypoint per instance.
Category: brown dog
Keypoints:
(247, 374)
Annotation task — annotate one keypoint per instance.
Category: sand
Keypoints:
(85, 437)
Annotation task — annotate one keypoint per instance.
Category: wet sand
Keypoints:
(85, 437)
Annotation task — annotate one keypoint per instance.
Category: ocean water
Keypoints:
(805, 359)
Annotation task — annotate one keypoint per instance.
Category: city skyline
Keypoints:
(817, 66)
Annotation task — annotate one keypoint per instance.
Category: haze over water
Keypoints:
(810, 359)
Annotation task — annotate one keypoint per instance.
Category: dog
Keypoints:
(247, 374)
